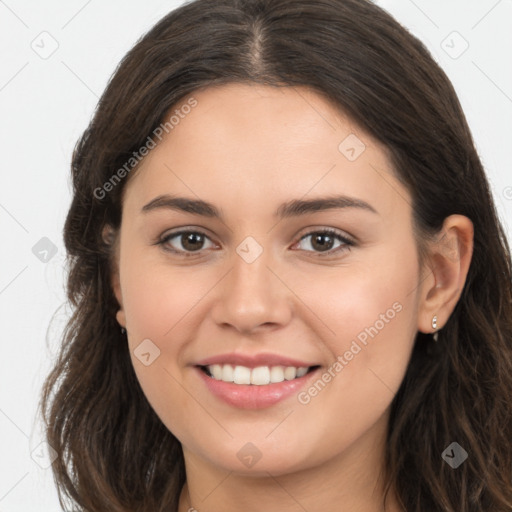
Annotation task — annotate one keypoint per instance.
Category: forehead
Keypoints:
(249, 145)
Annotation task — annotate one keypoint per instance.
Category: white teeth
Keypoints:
(290, 373)
(242, 375)
(302, 371)
(227, 373)
(216, 370)
(259, 376)
(277, 374)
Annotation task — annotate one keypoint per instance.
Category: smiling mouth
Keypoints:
(258, 376)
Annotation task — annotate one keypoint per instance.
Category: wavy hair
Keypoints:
(114, 453)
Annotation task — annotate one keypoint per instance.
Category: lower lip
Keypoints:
(245, 396)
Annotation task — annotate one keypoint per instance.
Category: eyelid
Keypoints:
(333, 231)
(347, 240)
(164, 239)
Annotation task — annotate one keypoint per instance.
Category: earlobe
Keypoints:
(116, 286)
(107, 234)
(448, 265)
(121, 318)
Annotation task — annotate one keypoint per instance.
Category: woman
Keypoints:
(291, 287)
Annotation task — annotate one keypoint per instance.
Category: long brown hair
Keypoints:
(114, 453)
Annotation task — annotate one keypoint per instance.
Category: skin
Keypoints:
(247, 149)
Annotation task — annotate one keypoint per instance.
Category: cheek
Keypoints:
(372, 316)
(362, 303)
(163, 303)
(158, 297)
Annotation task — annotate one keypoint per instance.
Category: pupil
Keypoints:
(322, 246)
(189, 240)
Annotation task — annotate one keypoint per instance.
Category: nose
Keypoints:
(253, 297)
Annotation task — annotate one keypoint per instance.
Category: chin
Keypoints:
(259, 460)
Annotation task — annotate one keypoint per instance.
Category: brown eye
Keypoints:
(324, 241)
(192, 241)
(185, 242)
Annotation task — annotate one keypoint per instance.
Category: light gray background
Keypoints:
(46, 102)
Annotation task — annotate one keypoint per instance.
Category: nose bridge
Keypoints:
(251, 294)
(251, 279)
(250, 268)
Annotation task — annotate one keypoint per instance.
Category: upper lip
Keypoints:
(253, 361)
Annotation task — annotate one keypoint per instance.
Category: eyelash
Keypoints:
(330, 232)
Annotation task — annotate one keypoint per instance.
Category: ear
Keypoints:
(445, 271)
(109, 237)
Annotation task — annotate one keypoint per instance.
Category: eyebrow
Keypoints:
(293, 208)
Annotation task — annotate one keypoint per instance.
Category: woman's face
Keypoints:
(254, 285)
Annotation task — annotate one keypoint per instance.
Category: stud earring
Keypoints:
(123, 330)
(435, 335)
